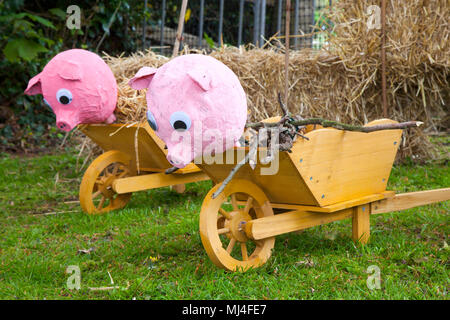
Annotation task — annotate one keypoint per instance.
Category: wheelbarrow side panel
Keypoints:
(285, 186)
(340, 165)
(150, 149)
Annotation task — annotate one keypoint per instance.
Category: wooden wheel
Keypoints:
(222, 224)
(96, 193)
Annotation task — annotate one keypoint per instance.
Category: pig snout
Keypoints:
(179, 156)
(177, 161)
(66, 124)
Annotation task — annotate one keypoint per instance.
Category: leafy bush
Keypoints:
(32, 32)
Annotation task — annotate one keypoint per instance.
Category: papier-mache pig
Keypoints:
(79, 87)
(197, 95)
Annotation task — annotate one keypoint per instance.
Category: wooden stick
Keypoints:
(340, 126)
(286, 54)
(231, 175)
(176, 46)
(383, 58)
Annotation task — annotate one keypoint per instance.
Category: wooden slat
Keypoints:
(334, 207)
(291, 221)
(155, 180)
(409, 200)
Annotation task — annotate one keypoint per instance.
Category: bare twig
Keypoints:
(231, 175)
(108, 27)
(176, 46)
(286, 54)
(338, 125)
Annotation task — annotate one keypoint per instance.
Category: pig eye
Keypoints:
(64, 96)
(151, 120)
(180, 121)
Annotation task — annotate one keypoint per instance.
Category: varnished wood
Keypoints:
(179, 188)
(155, 180)
(361, 224)
(119, 143)
(339, 166)
(332, 167)
(409, 200)
(151, 152)
(291, 221)
(234, 226)
(97, 181)
(333, 207)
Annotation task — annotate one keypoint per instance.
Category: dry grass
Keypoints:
(343, 80)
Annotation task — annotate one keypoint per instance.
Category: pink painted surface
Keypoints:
(196, 95)
(79, 87)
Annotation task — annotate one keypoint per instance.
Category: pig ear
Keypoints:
(142, 78)
(70, 71)
(201, 78)
(34, 86)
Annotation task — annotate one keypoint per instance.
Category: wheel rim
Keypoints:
(96, 192)
(222, 224)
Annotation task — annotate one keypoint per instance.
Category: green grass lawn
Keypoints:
(152, 248)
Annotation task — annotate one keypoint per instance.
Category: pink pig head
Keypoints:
(196, 105)
(79, 87)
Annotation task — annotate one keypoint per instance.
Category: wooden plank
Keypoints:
(151, 151)
(190, 168)
(291, 221)
(334, 207)
(155, 180)
(361, 224)
(409, 200)
(338, 166)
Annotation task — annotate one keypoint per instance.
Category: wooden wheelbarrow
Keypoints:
(333, 176)
(110, 180)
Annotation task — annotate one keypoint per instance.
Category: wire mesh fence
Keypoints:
(212, 23)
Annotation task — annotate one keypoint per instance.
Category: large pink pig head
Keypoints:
(79, 87)
(196, 105)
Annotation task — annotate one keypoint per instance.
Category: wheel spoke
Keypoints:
(124, 173)
(223, 230)
(115, 169)
(225, 214)
(234, 202)
(244, 251)
(231, 245)
(96, 194)
(100, 204)
(248, 205)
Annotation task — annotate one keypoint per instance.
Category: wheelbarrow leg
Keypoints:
(179, 188)
(361, 224)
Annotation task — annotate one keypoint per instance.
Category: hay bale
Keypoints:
(341, 81)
